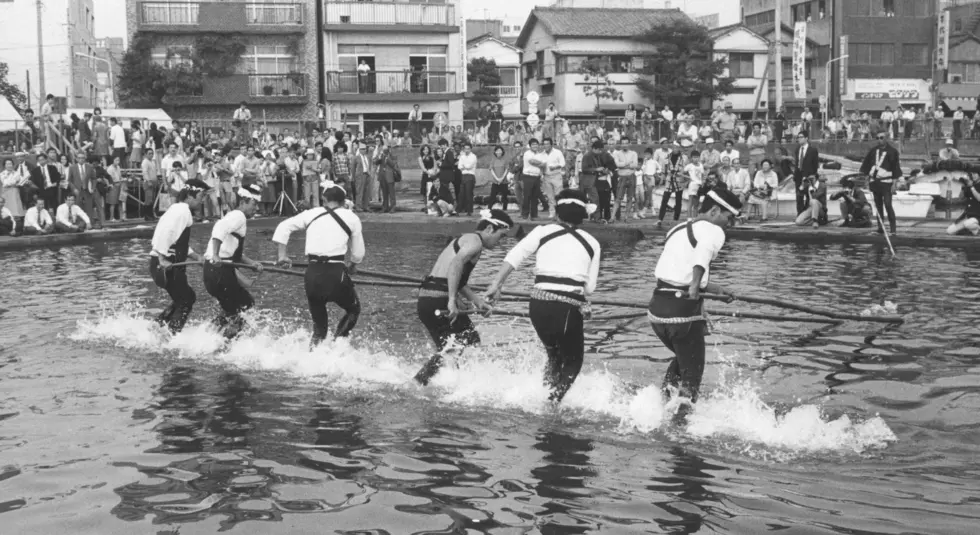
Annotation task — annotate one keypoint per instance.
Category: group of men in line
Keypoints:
(566, 274)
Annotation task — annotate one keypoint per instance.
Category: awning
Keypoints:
(959, 91)
(870, 104)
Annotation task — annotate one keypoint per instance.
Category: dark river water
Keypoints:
(108, 426)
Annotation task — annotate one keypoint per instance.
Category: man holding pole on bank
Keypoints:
(883, 167)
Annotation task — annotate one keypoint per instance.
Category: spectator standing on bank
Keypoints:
(341, 167)
(674, 184)
(515, 173)
(909, 118)
(666, 128)
(150, 172)
(101, 144)
(12, 182)
(779, 125)
(806, 122)
(627, 163)
(629, 122)
(362, 171)
(757, 143)
(553, 173)
(807, 166)
(499, 166)
(426, 163)
(550, 118)
(695, 172)
(882, 166)
(647, 121)
(725, 123)
(958, 117)
(939, 116)
(117, 134)
(650, 171)
(467, 167)
(534, 165)
(388, 175)
(117, 191)
(415, 124)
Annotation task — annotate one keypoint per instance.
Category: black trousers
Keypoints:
(174, 281)
(560, 328)
(461, 330)
(501, 191)
(678, 202)
(605, 204)
(685, 372)
(802, 198)
(330, 283)
(532, 190)
(222, 283)
(883, 203)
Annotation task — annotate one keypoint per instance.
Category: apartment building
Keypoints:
(276, 75)
(962, 82)
(747, 54)
(381, 58)
(49, 46)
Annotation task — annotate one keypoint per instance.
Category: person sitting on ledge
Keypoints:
(949, 152)
(70, 217)
(8, 227)
(854, 207)
(969, 222)
(37, 220)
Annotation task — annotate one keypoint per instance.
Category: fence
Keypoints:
(417, 13)
(389, 82)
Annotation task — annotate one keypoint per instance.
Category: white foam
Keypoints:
(499, 378)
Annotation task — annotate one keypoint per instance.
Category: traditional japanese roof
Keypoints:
(589, 22)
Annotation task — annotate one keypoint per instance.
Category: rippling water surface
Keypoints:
(109, 426)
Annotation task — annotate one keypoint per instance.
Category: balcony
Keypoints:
(418, 16)
(255, 88)
(506, 91)
(244, 17)
(391, 85)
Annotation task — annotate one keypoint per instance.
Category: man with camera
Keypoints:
(969, 221)
(882, 166)
(854, 207)
(816, 213)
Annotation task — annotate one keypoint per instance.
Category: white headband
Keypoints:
(242, 192)
(589, 208)
(327, 184)
(487, 215)
(721, 202)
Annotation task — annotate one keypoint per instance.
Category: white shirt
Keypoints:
(554, 162)
(118, 137)
(172, 224)
(234, 222)
(324, 236)
(732, 156)
(765, 179)
(662, 156)
(563, 257)
(651, 167)
(167, 163)
(35, 219)
(696, 173)
(68, 217)
(242, 115)
(467, 163)
(626, 161)
(5, 213)
(677, 261)
(667, 114)
(738, 181)
(532, 169)
(690, 131)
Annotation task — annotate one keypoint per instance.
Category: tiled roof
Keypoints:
(605, 22)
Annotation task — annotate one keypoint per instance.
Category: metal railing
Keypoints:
(256, 13)
(390, 82)
(276, 85)
(390, 13)
(505, 91)
(170, 13)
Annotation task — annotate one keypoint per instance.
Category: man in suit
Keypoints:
(363, 177)
(46, 178)
(807, 166)
(81, 182)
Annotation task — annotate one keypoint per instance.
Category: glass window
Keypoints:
(173, 56)
(872, 54)
(760, 19)
(915, 55)
(267, 60)
(741, 65)
(508, 76)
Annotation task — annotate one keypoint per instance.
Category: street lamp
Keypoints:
(107, 62)
(827, 92)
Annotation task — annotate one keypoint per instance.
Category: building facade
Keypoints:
(382, 58)
(556, 42)
(508, 60)
(747, 54)
(276, 75)
(39, 43)
(110, 50)
(961, 88)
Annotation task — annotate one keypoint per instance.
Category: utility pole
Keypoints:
(779, 54)
(40, 50)
(70, 93)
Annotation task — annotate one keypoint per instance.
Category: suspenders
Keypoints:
(568, 230)
(337, 218)
(690, 233)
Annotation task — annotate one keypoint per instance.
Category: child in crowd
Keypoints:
(649, 171)
(695, 174)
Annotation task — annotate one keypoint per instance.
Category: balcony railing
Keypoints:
(221, 15)
(506, 91)
(276, 85)
(391, 13)
(391, 82)
(266, 88)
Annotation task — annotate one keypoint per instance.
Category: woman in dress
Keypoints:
(426, 163)
(118, 192)
(137, 139)
(268, 178)
(12, 182)
(763, 185)
(629, 121)
(499, 166)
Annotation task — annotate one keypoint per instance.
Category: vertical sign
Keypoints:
(942, 42)
(799, 61)
(842, 73)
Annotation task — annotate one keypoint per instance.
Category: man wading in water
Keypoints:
(330, 231)
(171, 245)
(448, 280)
(227, 245)
(683, 272)
(566, 270)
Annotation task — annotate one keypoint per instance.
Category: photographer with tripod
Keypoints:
(969, 221)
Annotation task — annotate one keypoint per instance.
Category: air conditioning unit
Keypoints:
(956, 78)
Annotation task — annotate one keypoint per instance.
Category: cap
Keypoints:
(251, 191)
(949, 141)
(710, 140)
(663, 140)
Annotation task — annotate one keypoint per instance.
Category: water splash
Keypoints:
(507, 377)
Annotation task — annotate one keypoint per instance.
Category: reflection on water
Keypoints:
(847, 429)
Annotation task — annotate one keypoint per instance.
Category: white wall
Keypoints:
(743, 41)
(503, 56)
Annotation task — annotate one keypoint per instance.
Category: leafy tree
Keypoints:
(142, 83)
(597, 82)
(683, 68)
(13, 93)
(485, 74)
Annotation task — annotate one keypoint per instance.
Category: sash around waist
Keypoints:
(325, 259)
(547, 279)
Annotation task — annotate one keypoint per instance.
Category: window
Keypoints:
(822, 9)
(508, 76)
(801, 12)
(915, 55)
(871, 54)
(760, 19)
(267, 60)
(870, 8)
(741, 65)
(917, 8)
(967, 72)
(958, 25)
(172, 57)
(889, 7)
(572, 64)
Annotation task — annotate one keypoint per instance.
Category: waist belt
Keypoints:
(317, 259)
(437, 284)
(564, 297)
(558, 280)
(667, 287)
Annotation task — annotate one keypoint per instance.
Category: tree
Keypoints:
(597, 82)
(484, 73)
(141, 83)
(13, 93)
(683, 69)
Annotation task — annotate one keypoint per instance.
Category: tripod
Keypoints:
(283, 198)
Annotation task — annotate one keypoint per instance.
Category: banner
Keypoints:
(942, 42)
(871, 89)
(799, 61)
(844, 52)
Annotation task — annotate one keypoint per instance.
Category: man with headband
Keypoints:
(449, 279)
(683, 271)
(227, 246)
(171, 245)
(566, 270)
(332, 231)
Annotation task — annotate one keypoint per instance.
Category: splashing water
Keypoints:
(509, 377)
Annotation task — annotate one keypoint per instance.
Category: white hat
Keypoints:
(710, 140)
(252, 191)
(949, 141)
